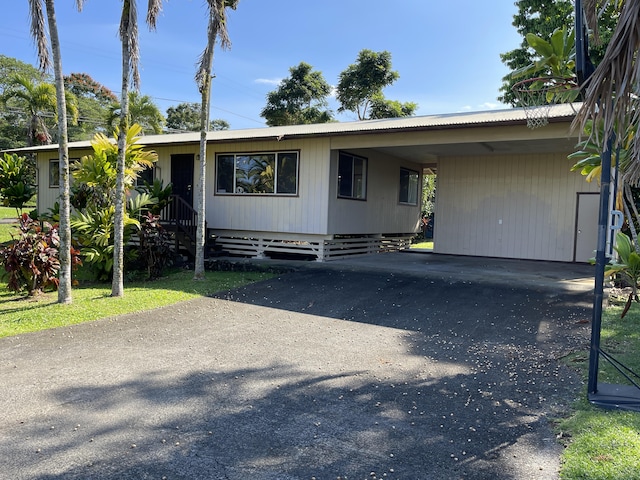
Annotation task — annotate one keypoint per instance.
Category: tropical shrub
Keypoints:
(16, 188)
(154, 251)
(627, 267)
(160, 195)
(31, 261)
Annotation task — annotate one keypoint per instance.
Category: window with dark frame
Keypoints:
(146, 176)
(352, 176)
(273, 173)
(54, 173)
(409, 185)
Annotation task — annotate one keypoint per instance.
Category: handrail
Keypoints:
(179, 213)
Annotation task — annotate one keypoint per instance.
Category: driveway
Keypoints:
(326, 372)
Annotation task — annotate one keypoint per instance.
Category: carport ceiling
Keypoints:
(429, 153)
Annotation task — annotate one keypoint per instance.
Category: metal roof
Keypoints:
(428, 122)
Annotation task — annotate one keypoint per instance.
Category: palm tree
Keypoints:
(128, 33)
(40, 101)
(40, 38)
(142, 111)
(216, 32)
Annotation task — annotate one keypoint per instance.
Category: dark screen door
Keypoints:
(182, 176)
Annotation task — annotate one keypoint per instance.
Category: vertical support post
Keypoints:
(601, 261)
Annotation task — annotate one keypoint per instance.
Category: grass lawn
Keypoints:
(19, 315)
(428, 245)
(605, 444)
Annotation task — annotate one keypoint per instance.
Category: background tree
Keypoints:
(300, 99)
(185, 117)
(38, 101)
(94, 102)
(216, 33)
(12, 123)
(382, 108)
(360, 86)
(542, 18)
(142, 110)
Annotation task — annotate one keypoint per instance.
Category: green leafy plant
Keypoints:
(160, 194)
(627, 267)
(31, 261)
(94, 231)
(154, 250)
(15, 187)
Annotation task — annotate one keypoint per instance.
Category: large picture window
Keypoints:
(352, 176)
(409, 183)
(258, 173)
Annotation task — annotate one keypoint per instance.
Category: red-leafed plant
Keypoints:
(31, 260)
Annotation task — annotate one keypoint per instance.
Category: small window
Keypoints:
(54, 173)
(257, 173)
(352, 176)
(145, 176)
(409, 182)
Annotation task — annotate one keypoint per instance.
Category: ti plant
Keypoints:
(627, 267)
(31, 261)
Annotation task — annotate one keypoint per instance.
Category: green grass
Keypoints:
(5, 231)
(605, 444)
(428, 245)
(8, 212)
(19, 315)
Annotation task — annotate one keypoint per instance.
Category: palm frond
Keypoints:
(611, 91)
(129, 34)
(39, 33)
(216, 33)
(153, 11)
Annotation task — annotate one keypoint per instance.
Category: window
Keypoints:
(54, 173)
(409, 182)
(146, 176)
(352, 176)
(257, 173)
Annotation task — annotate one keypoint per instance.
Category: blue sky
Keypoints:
(446, 52)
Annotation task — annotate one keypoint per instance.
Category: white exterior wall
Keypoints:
(508, 206)
(381, 212)
(305, 213)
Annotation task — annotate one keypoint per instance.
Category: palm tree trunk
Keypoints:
(205, 91)
(117, 283)
(64, 229)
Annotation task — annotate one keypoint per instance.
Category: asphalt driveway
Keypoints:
(321, 373)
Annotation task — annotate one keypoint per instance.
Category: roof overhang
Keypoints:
(424, 138)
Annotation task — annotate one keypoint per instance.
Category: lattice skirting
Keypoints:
(260, 245)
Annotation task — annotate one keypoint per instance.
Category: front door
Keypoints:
(182, 176)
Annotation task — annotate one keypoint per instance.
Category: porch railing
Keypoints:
(184, 222)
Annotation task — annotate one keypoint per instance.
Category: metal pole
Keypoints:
(601, 262)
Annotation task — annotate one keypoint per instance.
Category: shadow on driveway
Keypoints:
(318, 373)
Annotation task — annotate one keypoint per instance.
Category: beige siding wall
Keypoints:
(508, 206)
(48, 195)
(305, 213)
(382, 211)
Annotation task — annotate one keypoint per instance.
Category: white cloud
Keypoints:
(491, 106)
(268, 81)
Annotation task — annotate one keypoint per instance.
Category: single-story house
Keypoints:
(327, 190)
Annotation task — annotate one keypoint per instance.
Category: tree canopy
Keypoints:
(301, 98)
(142, 110)
(360, 87)
(185, 117)
(542, 18)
